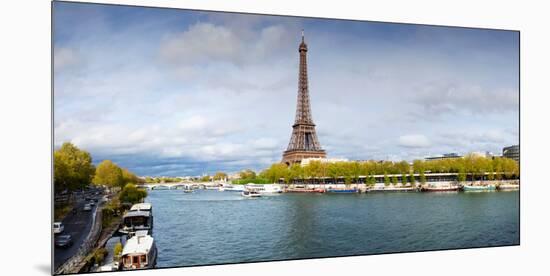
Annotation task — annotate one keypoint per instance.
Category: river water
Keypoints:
(212, 227)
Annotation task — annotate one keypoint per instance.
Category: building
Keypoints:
(511, 152)
(303, 141)
(445, 156)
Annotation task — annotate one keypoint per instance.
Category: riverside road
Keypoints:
(78, 225)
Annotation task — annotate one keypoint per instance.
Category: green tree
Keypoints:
(117, 250)
(205, 178)
(220, 176)
(109, 174)
(394, 180)
(386, 179)
(422, 178)
(132, 194)
(247, 174)
(411, 179)
(296, 172)
(73, 168)
(461, 176)
(404, 179)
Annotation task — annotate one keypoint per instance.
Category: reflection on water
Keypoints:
(211, 227)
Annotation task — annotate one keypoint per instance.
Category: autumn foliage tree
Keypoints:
(109, 174)
(73, 168)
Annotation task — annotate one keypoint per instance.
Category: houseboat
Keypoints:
(342, 190)
(508, 187)
(139, 252)
(478, 188)
(304, 189)
(381, 187)
(446, 187)
(138, 218)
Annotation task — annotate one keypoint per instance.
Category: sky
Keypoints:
(166, 92)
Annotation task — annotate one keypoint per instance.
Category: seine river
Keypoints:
(211, 227)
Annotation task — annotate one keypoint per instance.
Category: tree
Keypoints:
(220, 176)
(73, 168)
(461, 176)
(129, 177)
(386, 179)
(205, 178)
(394, 180)
(422, 178)
(404, 179)
(109, 174)
(411, 179)
(295, 172)
(117, 250)
(132, 194)
(247, 174)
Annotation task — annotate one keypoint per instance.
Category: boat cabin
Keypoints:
(139, 252)
(137, 220)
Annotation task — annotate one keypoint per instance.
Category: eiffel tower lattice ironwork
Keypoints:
(303, 142)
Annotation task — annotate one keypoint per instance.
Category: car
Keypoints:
(63, 241)
(87, 207)
(58, 227)
(92, 203)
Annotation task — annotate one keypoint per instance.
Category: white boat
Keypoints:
(142, 207)
(508, 187)
(231, 188)
(250, 194)
(264, 188)
(140, 252)
(138, 218)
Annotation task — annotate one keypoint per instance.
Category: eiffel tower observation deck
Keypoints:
(303, 142)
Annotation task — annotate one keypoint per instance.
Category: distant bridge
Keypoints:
(177, 185)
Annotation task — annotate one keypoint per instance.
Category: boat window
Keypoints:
(135, 260)
(143, 259)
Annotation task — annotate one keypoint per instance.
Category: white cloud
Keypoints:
(202, 42)
(65, 57)
(414, 141)
(222, 92)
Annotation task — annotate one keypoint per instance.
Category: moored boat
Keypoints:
(139, 252)
(440, 188)
(305, 190)
(508, 187)
(478, 188)
(380, 187)
(342, 191)
(138, 218)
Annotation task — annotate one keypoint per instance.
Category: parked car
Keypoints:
(87, 207)
(58, 227)
(91, 203)
(63, 241)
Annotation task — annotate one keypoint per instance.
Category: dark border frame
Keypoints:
(285, 15)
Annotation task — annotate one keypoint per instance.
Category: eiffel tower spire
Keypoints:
(303, 142)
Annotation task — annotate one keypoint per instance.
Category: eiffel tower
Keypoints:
(303, 142)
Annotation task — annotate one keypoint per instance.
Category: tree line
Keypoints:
(472, 165)
(73, 170)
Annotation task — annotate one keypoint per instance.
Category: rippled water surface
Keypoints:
(211, 227)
